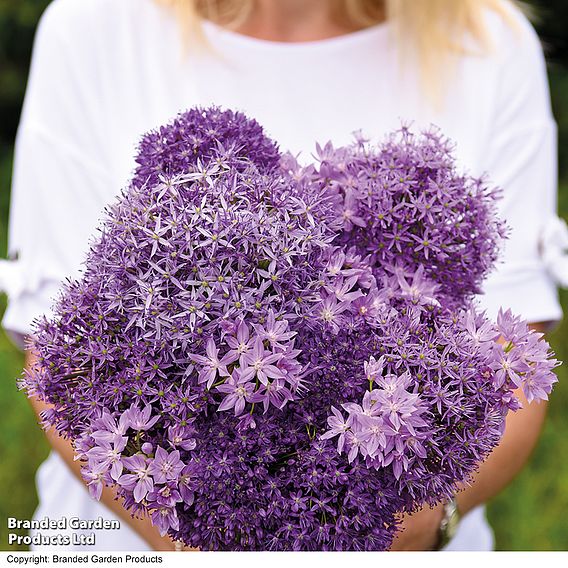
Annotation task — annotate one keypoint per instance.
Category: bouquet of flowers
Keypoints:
(263, 355)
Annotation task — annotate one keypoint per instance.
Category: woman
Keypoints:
(104, 72)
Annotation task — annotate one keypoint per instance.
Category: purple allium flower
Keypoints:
(166, 495)
(165, 466)
(140, 481)
(181, 437)
(262, 355)
(339, 426)
(275, 332)
(240, 343)
(404, 203)
(212, 365)
(109, 454)
(140, 419)
(185, 484)
(238, 389)
(96, 477)
(259, 363)
(274, 393)
(196, 135)
(165, 518)
(106, 428)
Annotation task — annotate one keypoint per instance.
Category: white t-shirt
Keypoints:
(104, 72)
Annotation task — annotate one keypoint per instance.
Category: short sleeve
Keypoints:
(59, 179)
(520, 157)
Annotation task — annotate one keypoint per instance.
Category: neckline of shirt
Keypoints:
(216, 34)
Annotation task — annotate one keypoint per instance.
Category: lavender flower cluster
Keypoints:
(407, 206)
(261, 355)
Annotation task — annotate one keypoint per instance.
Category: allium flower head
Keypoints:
(406, 205)
(261, 355)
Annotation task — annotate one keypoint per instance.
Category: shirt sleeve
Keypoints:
(59, 177)
(520, 158)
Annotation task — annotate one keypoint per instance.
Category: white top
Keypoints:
(104, 72)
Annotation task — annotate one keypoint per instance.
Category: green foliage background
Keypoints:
(529, 515)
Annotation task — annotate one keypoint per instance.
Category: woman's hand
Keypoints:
(419, 531)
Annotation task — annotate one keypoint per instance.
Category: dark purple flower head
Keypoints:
(200, 134)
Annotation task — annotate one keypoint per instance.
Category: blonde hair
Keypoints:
(426, 30)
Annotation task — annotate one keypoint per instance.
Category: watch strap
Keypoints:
(449, 523)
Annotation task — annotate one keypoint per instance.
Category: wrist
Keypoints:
(152, 536)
